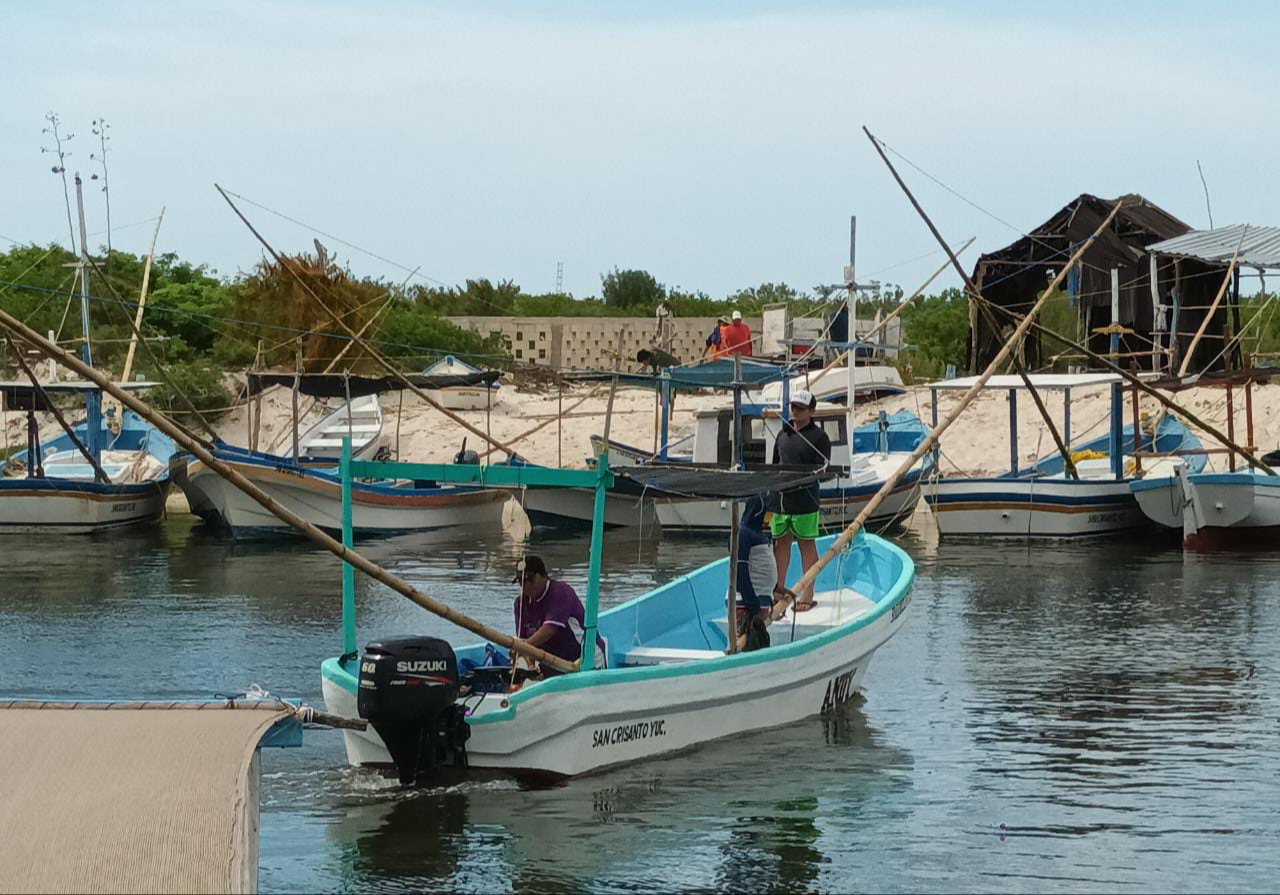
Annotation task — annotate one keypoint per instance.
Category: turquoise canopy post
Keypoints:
(591, 610)
(348, 571)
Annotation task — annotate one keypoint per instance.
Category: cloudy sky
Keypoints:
(717, 145)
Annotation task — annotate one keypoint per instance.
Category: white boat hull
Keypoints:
(574, 507)
(41, 508)
(1230, 510)
(574, 731)
(465, 397)
(319, 501)
(1031, 508)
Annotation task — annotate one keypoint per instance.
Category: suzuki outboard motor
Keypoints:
(409, 692)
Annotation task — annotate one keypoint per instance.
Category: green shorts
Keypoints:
(802, 525)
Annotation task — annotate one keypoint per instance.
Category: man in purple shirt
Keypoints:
(549, 615)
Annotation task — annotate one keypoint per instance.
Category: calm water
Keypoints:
(1062, 718)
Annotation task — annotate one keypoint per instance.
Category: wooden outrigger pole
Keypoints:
(366, 345)
(370, 568)
(927, 444)
(976, 295)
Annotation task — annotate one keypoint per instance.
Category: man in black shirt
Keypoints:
(802, 442)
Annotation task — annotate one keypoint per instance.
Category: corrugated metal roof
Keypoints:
(1260, 248)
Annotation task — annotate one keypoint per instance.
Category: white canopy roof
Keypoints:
(1039, 380)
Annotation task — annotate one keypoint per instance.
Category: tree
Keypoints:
(636, 290)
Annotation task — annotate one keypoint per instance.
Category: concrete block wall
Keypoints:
(589, 343)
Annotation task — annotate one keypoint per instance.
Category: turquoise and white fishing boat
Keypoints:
(668, 681)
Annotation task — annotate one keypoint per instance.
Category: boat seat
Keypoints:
(667, 655)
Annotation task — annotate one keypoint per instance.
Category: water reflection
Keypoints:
(747, 809)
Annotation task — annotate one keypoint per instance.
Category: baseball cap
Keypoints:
(737, 315)
(802, 397)
(530, 565)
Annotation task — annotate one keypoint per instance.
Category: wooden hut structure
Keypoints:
(1014, 276)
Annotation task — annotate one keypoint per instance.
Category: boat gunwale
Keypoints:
(894, 594)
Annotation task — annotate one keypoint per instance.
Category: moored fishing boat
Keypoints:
(315, 493)
(52, 486)
(309, 486)
(360, 420)
(475, 396)
(1043, 501)
(666, 685)
(879, 448)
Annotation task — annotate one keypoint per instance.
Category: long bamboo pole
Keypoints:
(142, 301)
(370, 568)
(927, 444)
(369, 348)
(1068, 464)
(1213, 308)
(1168, 403)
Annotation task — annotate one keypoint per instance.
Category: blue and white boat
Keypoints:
(1042, 501)
(667, 683)
(309, 485)
(879, 448)
(52, 487)
(474, 396)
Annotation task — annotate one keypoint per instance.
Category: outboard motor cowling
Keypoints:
(408, 692)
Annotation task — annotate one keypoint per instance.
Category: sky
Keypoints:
(716, 145)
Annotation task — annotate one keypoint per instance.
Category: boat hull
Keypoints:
(74, 507)
(318, 499)
(464, 397)
(574, 507)
(671, 687)
(1231, 511)
(1032, 508)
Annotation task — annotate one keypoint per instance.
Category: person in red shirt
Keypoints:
(735, 337)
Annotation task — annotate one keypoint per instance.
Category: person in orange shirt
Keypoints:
(735, 337)
(715, 342)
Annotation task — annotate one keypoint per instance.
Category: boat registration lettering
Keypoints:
(123, 507)
(839, 690)
(900, 607)
(1102, 518)
(627, 733)
(296, 473)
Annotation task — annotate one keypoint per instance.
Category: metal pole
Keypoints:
(666, 414)
(591, 610)
(93, 400)
(348, 571)
(1013, 431)
(933, 424)
(1066, 417)
(737, 414)
(1231, 426)
(731, 601)
(1117, 397)
(297, 382)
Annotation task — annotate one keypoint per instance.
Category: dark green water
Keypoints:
(1066, 718)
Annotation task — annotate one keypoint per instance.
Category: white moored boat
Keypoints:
(315, 494)
(310, 486)
(475, 396)
(361, 421)
(1041, 501)
(667, 684)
